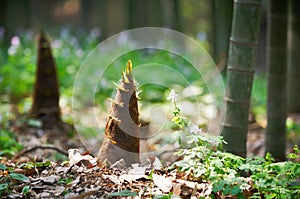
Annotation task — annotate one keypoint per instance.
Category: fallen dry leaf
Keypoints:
(75, 157)
(163, 183)
(157, 164)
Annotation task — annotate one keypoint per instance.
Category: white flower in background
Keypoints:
(15, 41)
(173, 96)
(95, 32)
(57, 44)
(194, 129)
(79, 53)
(15, 44)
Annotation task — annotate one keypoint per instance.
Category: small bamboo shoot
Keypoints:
(46, 91)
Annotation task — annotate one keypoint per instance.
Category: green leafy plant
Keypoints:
(275, 179)
(3, 188)
(9, 179)
(8, 143)
(18, 176)
(37, 166)
(25, 190)
(20, 60)
(163, 196)
(127, 193)
(2, 167)
(293, 130)
(150, 177)
(64, 181)
(229, 174)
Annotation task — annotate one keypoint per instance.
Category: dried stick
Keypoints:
(44, 147)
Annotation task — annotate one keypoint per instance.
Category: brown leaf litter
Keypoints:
(88, 179)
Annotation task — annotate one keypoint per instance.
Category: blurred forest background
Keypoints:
(76, 27)
(255, 45)
(206, 20)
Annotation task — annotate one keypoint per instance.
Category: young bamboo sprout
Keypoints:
(46, 91)
(121, 140)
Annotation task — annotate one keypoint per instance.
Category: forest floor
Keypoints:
(49, 176)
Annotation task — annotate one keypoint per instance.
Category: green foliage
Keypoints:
(18, 176)
(258, 106)
(69, 50)
(162, 62)
(8, 181)
(2, 167)
(163, 196)
(5, 112)
(19, 65)
(296, 153)
(150, 177)
(259, 95)
(230, 174)
(34, 123)
(292, 126)
(64, 181)
(3, 188)
(25, 190)
(8, 143)
(31, 165)
(293, 131)
(20, 61)
(274, 179)
(124, 193)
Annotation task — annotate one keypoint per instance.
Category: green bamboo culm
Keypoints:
(240, 72)
(294, 58)
(222, 19)
(277, 72)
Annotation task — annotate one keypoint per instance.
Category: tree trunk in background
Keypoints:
(115, 16)
(294, 58)
(86, 7)
(4, 40)
(102, 4)
(171, 14)
(13, 16)
(94, 13)
(122, 130)
(155, 13)
(155, 17)
(222, 18)
(46, 91)
(240, 71)
(137, 13)
(277, 70)
(145, 13)
(177, 24)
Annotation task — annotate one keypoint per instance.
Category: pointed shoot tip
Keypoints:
(128, 67)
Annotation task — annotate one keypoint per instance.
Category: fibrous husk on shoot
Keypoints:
(121, 140)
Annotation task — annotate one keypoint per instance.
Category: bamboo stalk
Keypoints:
(277, 71)
(240, 72)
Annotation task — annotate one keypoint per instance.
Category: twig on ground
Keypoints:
(83, 195)
(43, 147)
